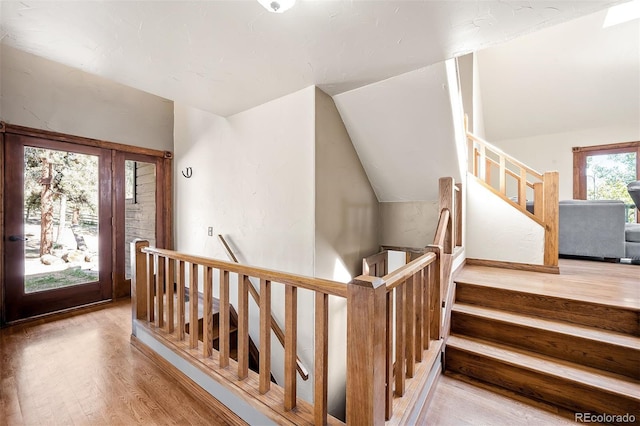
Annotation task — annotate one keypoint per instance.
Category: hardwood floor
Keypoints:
(81, 369)
(590, 281)
(456, 402)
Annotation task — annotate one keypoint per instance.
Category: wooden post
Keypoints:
(320, 387)
(366, 341)
(551, 218)
(447, 201)
(458, 214)
(436, 279)
(139, 279)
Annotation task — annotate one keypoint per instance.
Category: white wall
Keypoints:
(403, 131)
(346, 229)
(253, 182)
(46, 95)
(575, 84)
(408, 224)
(497, 231)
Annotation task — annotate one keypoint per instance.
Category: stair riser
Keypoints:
(555, 390)
(577, 312)
(588, 352)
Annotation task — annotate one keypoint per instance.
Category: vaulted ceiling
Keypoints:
(227, 56)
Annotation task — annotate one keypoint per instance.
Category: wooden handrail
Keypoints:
(441, 230)
(544, 186)
(256, 297)
(332, 288)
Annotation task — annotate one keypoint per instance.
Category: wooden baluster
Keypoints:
(265, 335)
(436, 306)
(503, 176)
(170, 280)
(139, 284)
(181, 300)
(207, 313)
(160, 291)
(389, 379)
(290, 346)
(193, 306)
(522, 188)
(400, 340)
(487, 171)
(321, 358)
(224, 318)
(366, 331)
(243, 327)
(151, 288)
(458, 214)
(410, 329)
(417, 283)
(426, 307)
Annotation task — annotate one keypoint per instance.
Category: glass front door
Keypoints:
(58, 223)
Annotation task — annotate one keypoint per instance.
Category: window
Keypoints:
(602, 173)
(130, 181)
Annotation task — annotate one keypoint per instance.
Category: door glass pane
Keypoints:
(140, 206)
(608, 176)
(60, 219)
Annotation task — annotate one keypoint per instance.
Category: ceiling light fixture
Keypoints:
(277, 6)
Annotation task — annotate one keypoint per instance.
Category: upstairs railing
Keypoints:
(417, 291)
(533, 193)
(161, 278)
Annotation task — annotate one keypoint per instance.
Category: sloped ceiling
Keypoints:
(403, 132)
(227, 56)
(577, 75)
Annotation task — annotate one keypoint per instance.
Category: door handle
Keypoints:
(17, 238)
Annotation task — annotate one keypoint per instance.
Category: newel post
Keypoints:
(366, 340)
(550, 217)
(138, 279)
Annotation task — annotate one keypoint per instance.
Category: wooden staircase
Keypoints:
(572, 353)
(254, 355)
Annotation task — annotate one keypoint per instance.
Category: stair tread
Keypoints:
(606, 381)
(568, 285)
(558, 326)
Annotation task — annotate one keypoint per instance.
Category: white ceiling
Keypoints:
(227, 56)
(572, 76)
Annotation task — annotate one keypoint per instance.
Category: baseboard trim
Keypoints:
(514, 265)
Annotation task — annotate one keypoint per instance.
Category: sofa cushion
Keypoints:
(632, 232)
(592, 228)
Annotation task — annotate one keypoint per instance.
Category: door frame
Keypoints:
(164, 196)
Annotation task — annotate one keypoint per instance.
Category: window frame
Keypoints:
(580, 155)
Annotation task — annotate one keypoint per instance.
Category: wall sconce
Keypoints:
(277, 6)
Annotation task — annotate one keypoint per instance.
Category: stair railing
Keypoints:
(520, 186)
(162, 310)
(277, 330)
(416, 292)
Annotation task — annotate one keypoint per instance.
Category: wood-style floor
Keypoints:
(605, 283)
(82, 370)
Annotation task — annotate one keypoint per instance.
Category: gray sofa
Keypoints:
(592, 228)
